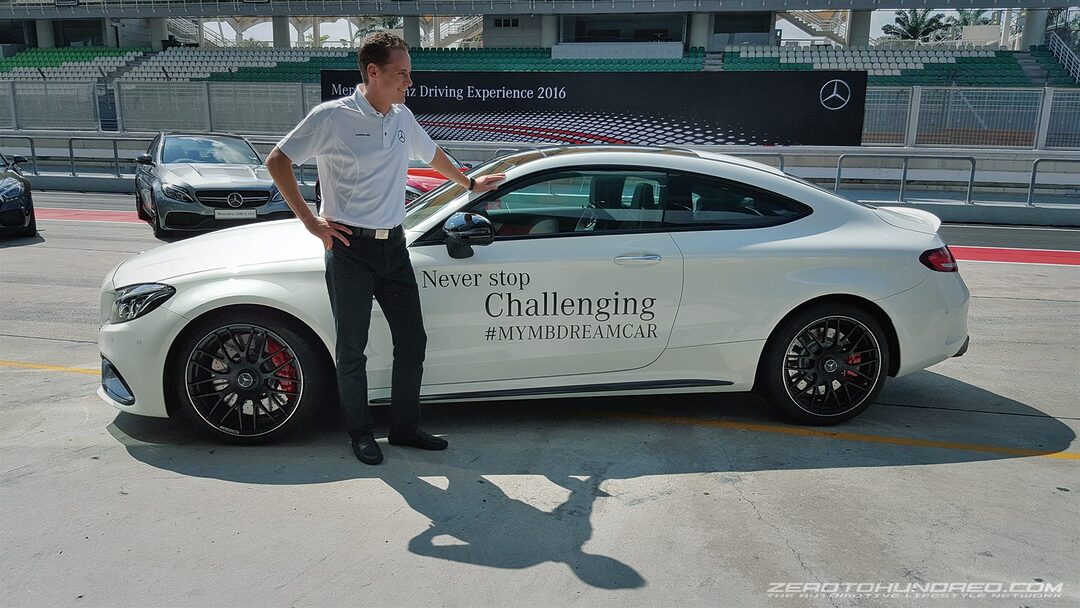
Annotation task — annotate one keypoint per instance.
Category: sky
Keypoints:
(339, 29)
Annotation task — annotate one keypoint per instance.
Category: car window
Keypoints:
(223, 150)
(153, 148)
(572, 202)
(699, 201)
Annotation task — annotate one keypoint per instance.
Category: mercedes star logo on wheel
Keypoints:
(835, 94)
(235, 200)
(245, 380)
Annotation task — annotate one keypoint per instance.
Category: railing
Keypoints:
(1035, 173)
(33, 150)
(904, 171)
(306, 174)
(1066, 55)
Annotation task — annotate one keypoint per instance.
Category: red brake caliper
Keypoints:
(278, 359)
(853, 360)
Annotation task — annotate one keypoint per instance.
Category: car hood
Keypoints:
(909, 219)
(264, 243)
(199, 175)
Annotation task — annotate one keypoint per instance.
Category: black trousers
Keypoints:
(369, 268)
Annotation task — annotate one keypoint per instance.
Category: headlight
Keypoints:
(276, 197)
(10, 189)
(136, 300)
(176, 193)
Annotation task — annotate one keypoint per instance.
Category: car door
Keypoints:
(581, 279)
(144, 174)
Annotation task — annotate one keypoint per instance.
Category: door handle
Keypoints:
(649, 258)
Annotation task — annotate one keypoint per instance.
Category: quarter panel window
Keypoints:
(691, 201)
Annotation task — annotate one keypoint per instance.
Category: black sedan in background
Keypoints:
(16, 203)
(194, 183)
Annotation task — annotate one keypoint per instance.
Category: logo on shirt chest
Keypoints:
(363, 134)
(401, 136)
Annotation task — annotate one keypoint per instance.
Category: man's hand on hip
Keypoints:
(327, 231)
(487, 183)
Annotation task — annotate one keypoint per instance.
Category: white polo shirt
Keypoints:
(363, 157)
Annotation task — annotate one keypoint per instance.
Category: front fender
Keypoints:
(301, 295)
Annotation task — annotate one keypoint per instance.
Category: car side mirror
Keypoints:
(17, 159)
(464, 230)
(144, 159)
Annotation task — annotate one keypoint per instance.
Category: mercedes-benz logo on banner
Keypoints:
(835, 94)
(235, 200)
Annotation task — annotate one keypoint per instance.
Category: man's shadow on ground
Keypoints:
(578, 444)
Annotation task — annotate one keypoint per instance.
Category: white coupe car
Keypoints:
(590, 271)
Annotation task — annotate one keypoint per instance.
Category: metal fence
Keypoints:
(979, 117)
(49, 105)
(886, 115)
(894, 116)
(1063, 126)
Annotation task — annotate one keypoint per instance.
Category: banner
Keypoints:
(661, 108)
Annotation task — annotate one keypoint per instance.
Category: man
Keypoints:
(362, 145)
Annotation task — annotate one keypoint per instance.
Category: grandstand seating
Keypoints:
(886, 67)
(68, 64)
(1057, 75)
(892, 67)
(304, 64)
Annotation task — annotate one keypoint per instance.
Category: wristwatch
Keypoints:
(472, 184)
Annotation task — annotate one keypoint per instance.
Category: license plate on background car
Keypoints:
(233, 214)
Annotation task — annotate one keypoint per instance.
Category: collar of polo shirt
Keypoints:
(365, 106)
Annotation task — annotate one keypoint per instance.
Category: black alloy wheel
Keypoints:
(825, 364)
(249, 377)
(155, 222)
(143, 215)
(31, 228)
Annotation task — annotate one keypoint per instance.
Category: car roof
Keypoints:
(562, 151)
(182, 134)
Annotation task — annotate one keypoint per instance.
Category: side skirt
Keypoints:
(567, 390)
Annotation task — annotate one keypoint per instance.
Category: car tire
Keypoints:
(824, 364)
(235, 394)
(31, 228)
(143, 215)
(155, 223)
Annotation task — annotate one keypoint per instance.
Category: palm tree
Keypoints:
(914, 24)
(955, 25)
(369, 25)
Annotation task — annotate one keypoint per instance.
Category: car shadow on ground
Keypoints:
(20, 241)
(578, 444)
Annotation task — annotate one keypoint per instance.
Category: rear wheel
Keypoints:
(249, 376)
(825, 364)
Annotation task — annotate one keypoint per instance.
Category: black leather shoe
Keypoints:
(366, 449)
(414, 436)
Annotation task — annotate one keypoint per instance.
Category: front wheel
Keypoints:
(156, 224)
(825, 364)
(31, 228)
(143, 215)
(249, 376)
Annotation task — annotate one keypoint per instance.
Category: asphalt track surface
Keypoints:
(966, 473)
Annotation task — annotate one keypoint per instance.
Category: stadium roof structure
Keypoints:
(74, 9)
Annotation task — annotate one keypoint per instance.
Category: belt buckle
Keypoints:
(382, 234)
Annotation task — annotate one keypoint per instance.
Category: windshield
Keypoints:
(832, 192)
(209, 150)
(432, 202)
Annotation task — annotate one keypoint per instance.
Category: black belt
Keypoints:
(380, 234)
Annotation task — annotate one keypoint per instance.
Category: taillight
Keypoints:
(939, 260)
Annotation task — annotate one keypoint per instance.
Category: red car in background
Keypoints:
(419, 180)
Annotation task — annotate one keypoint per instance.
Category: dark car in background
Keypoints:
(16, 201)
(198, 182)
